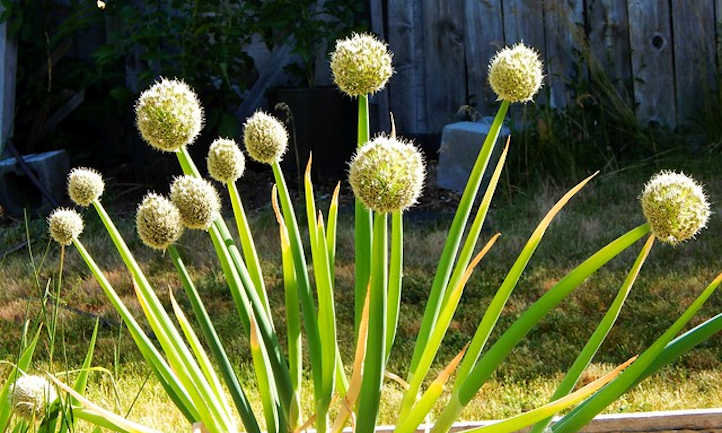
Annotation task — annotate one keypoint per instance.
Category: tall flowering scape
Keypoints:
(386, 175)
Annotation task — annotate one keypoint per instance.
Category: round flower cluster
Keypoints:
(515, 74)
(30, 396)
(361, 64)
(225, 160)
(387, 174)
(65, 225)
(85, 185)
(265, 138)
(169, 115)
(197, 201)
(675, 207)
(158, 222)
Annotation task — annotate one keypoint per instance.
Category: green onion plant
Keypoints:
(386, 175)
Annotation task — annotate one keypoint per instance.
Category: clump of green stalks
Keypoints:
(386, 175)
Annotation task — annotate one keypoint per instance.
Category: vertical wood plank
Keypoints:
(443, 60)
(524, 22)
(406, 87)
(379, 99)
(718, 30)
(693, 27)
(563, 28)
(8, 68)
(483, 36)
(650, 40)
(609, 42)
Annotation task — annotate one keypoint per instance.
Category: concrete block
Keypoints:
(17, 192)
(460, 145)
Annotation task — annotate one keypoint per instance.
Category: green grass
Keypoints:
(670, 280)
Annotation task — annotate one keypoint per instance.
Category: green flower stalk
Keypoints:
(675, 206)
(158, 222)
(30, 396)
(197, 201)
(387, 174)
(226, 164)
(85, 185)
(169, 115)
(361, 64)
(225, 160)
(265, 138)
(65, 225)
(515, 74)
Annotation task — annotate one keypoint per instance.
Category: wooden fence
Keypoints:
(659, 56)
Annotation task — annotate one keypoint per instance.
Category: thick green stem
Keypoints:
(519, 329)
(374, 363)
(248, 246)
(363, 221)
(168, 336)
(597, 402)
(243, 291)
(163, 372)
(600, 333)
(308, 308)
(396, 273)
(453, 239)
(209, 332)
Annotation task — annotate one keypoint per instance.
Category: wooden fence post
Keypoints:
(650, 39)
(693, 29)
(483, 36)
(8, 67)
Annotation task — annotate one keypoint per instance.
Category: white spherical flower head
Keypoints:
(65, 225)
(85, 185)
(196, 200)
(30, 397)
(158, 222)
(675, 207)
(361, 64)
(265, 138)
(169, 115)
(387, 174)
(515, 74)
(225, 160)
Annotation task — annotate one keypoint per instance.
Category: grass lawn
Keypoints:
(606, 208)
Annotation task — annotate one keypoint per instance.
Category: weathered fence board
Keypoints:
(609, 42)
(524, 21)
(652, 63)
(406, 87)
(444, 60)
(483, 36)
(563, 24)
(694, 56)
(446, 45)
(380, 99)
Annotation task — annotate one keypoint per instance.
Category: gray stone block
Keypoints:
(17, 191)
(460, 145)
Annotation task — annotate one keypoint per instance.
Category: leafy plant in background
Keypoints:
(386, 175)
(202, 41)
(310, 25)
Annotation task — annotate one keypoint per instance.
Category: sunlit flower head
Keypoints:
(387, 174)
(361, 64)
(675, 207)
(169, 115)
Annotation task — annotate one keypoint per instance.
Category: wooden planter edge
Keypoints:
(660, 421)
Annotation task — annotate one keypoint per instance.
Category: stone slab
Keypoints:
(460, 145)
(17, 192)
